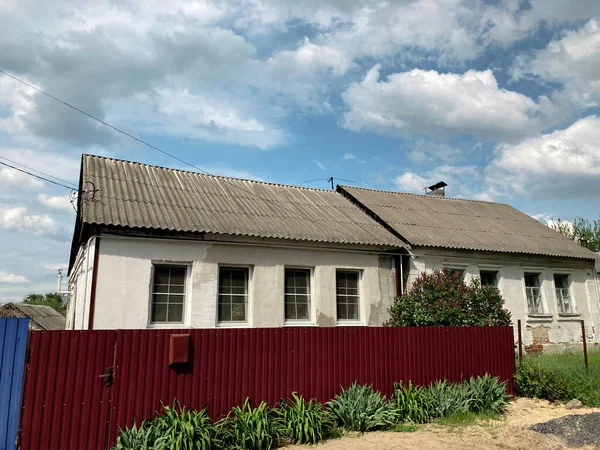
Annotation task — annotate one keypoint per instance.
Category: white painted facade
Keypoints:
(124, 281)
(547, 329)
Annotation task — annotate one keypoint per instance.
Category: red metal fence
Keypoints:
(67, 405)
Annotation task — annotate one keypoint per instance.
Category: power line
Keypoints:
(103, 122)
(37, 176)
(39, 171)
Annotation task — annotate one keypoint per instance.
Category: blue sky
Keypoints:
(499, 99)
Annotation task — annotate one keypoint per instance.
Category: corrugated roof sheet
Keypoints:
(45, 317)
(465, 224)
(137, 195)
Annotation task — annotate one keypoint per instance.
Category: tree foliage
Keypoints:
(51, 299)
(442, 298)
(585, 232)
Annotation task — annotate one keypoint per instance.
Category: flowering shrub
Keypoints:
(442, 298)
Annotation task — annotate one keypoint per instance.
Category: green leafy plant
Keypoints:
(449, 398)
(304, 422)
(442, 298)
(412, 404)
(360, 408)
(250, 428)
(487, 394)
(539, 382)
(185, 429)
(142, 438)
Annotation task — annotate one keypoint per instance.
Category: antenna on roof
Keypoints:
(437, 189)
(329, 180)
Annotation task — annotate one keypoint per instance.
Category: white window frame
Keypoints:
(359, 320)
(186, 294)
(237, 323)
(300, 322)
(559, 294)
(540, 281)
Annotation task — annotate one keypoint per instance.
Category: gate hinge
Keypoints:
(109, 375)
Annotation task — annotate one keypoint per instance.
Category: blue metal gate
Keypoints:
(13, 346)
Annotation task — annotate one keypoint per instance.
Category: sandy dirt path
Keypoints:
(508, 433)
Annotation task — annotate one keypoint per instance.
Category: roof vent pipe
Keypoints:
(437, 190)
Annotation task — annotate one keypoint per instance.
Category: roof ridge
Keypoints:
(224, 177)
(343, 186)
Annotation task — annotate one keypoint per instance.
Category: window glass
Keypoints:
(168, 293)
(348, 297)
(297, 294)
(489, 278)
(534, 296)
(563, 294)
(233, 294)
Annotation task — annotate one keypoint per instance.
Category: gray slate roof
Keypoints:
(464, 224)
(45, 317)
(137, 195)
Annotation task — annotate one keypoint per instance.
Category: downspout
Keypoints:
(94, 283)
(399, 275)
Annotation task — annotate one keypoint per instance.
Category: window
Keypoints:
(297, 294)
(534, 296)
(489, 277)
(563, 295)
(168, 293)
(348, 297)
(233, 294)
(454, 270)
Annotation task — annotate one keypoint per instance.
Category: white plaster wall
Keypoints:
(124, 281)
(80, 286)
(559, 328)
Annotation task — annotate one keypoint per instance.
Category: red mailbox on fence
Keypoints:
(179, 349)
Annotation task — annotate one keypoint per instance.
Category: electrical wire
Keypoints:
(37, 176)
(39, 171)
(125, 134)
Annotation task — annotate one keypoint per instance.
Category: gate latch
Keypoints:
(109, 376)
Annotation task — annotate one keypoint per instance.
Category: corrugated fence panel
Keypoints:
(67, 406)
(13, 345)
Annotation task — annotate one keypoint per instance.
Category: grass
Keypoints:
(571, 370)
(405, 428)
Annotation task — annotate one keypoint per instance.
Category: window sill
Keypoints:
(168, 325)
(539, 317)
(233, 325)
(349, 323)
(298, 323)
(569, 316)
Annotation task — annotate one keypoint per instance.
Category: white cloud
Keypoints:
(320, 165)
(573, 60)
(12, 177)
(348, 156)
(58, 202)
(18, 219)
(442, 105)
(55, 266)
(7, 277)
(562, 164)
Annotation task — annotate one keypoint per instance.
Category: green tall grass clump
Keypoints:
(174, 428)
(360, 408)
(487, 395)
(250, 428)
(449, 398)
(412, 404)
(304, 422)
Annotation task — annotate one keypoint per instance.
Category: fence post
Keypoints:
(520, 342)
(585, 355)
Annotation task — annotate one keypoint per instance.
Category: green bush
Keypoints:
(412, 404)
(304, 422)
(442, 298)
(250, 428)
(359, 408)
(449, 398)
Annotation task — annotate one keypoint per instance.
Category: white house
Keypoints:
(156, 247)
(548, 281)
